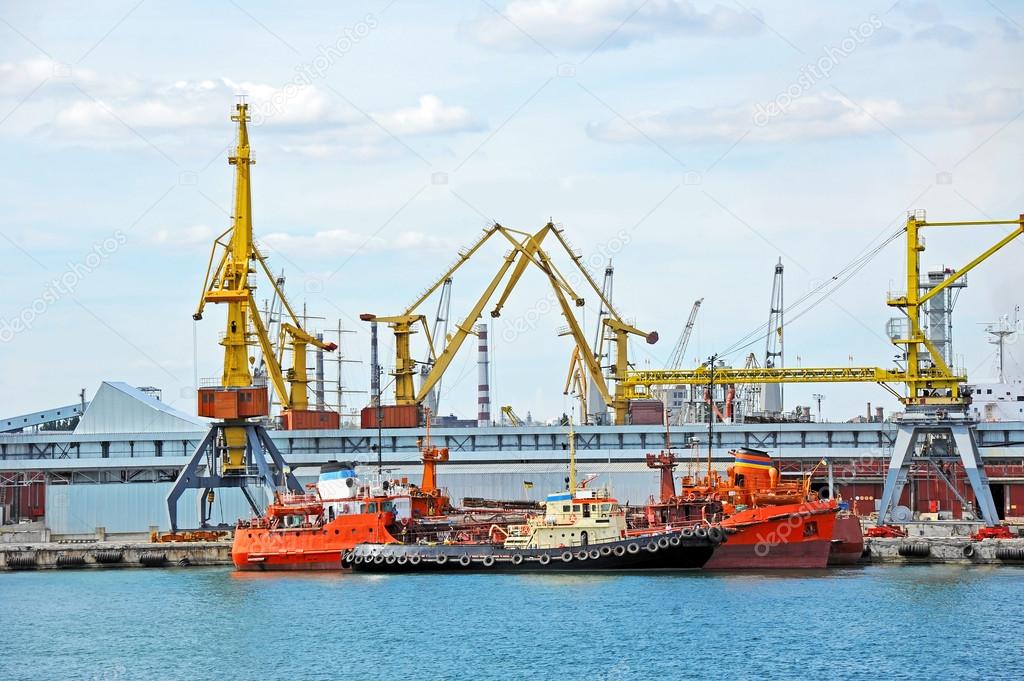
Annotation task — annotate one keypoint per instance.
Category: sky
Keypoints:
(692, 143)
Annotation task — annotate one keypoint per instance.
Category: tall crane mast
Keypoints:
(234, 452)
(774, 344)
(678, 358)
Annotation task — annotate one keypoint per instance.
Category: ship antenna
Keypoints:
(711, 409)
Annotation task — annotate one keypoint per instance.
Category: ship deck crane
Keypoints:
(234, 452)
(934, 400)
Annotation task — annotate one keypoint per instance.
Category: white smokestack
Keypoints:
(483, 418)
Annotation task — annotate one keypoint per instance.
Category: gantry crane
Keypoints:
(934, 400)
(527, 249)
(236, 448)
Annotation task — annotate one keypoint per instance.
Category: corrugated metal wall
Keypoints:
(134, 507)
(80, 509)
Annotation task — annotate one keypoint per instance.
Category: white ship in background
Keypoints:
(1002, 400)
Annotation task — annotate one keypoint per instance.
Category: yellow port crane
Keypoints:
(936, 418)
(235, 449)
(526, 249)
(929, 380)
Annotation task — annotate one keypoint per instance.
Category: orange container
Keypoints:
(233, 403)
(391, 416)
(310, 419)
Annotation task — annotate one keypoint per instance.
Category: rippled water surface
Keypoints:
(879, 622)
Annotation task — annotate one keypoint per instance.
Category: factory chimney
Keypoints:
(483, 418)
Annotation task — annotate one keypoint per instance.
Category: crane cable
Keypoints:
(825, 289)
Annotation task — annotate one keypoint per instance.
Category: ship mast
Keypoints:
(572, 459)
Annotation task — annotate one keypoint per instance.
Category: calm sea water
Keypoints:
(879, 622)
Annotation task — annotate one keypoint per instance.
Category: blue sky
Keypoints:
(718, 137)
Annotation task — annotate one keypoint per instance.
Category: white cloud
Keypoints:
(301, 117)
(587, 24)
(431, 116)
(335, 242)
(816, 116)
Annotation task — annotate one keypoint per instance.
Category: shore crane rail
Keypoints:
(924, 383)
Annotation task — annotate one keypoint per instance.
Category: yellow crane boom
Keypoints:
(929, 380)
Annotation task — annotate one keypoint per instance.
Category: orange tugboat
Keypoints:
(769, 524)
(311, 531)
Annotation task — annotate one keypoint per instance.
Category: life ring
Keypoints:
(652, 546)
(663, 542)
(606, 551)
(573, 519)
(402, 560)
(465, 560)
(594, 554)
(544, 559)
(488, 561)
(378, 559)
(691, 497)
(968, 551)
(716, 534)
(356, 560)
(566, 556)
(442, 559)
(517, 559)
(687, 532)
(582, 555)
(674, 540)
(700, 533)
(619, 551)
(414, 559)
(633, 548)
(389, 559)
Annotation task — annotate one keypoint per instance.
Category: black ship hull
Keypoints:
(664, 551)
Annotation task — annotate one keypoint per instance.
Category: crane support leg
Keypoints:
(967, 446)
(899, 470)
(205, 471)
(958, 431)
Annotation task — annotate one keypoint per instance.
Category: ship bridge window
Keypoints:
(370, 508)
(387, 507)
(566, 508)
(606, 507)
(576, 508)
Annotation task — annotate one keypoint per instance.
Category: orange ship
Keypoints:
(311, 531)
(769, 524)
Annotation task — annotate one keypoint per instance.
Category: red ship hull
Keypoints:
(307, 548)
(847, 541)
(790, 536)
